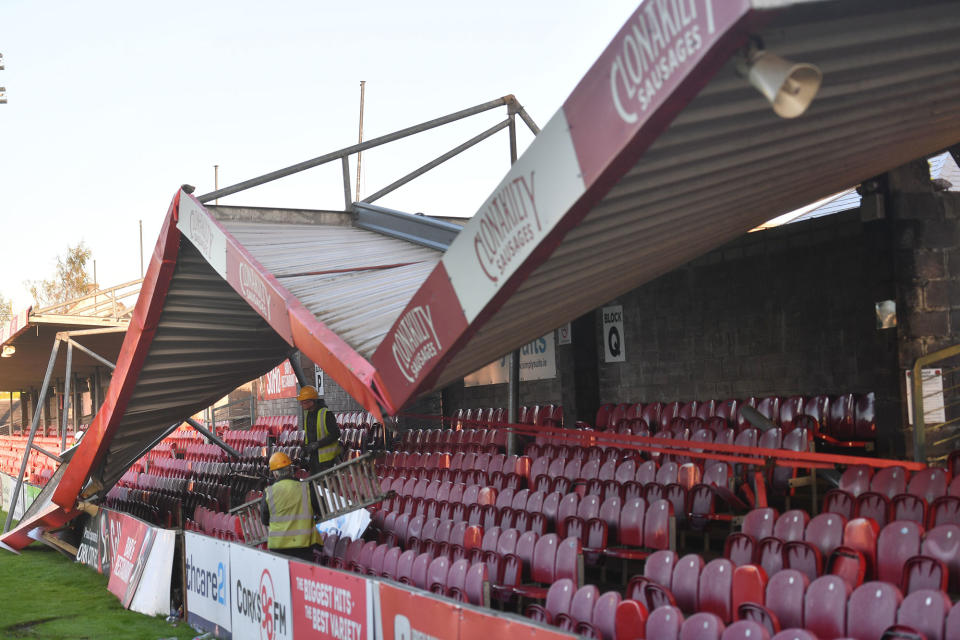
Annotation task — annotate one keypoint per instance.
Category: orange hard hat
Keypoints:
(307, 393)
(280, 460)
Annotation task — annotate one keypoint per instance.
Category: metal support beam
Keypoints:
(33, 431)
(153, 443)
(347, 200)
(434, 163)
(346, 151)
(213, 438)
(67, 378)
(297, 371)
(91, 353)
(513, 386)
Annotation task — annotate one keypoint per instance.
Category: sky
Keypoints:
(112, 105)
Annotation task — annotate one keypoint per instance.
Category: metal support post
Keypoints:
(33, 431)
(513, 401)
(347, 200)
(297, 371)
(213, 438)
(155, 442)
(68, 376)
(513, 387)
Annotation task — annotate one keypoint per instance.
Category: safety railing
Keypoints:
(934, 389)
(514, 109)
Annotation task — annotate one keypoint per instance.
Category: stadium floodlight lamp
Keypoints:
(789, 86)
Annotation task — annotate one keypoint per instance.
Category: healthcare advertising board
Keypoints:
(208, 602)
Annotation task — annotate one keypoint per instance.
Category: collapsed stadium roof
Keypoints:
(600, 203)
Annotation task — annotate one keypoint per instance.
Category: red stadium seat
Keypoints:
(664, 623)
(659, 567)
(785, 596)
(716, 587)
(745, 630)
(924, 572)
(685, 582)
(926, 611)
(825, 607)
(871, 608)
(943, 543)
(702, 626)
(897, 542)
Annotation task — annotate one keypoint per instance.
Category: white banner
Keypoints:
(613, 346)
(318, 379)
(261, 595)
(208, 603)
(538, 361)
(153, 591)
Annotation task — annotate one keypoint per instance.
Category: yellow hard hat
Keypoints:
(307, 393)
(279, 460)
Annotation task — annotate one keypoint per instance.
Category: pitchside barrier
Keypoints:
(137, 557)
(234, 591)
(27, 495)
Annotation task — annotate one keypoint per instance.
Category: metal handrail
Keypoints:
(514, 108)
(101, 298)
(919, 425)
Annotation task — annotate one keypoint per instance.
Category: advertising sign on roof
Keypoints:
(279, 382)
(195, 223)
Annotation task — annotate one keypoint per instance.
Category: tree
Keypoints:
(70, 281)
(6, 309)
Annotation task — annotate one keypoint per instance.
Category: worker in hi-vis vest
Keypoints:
(321, 435)
(288, 508)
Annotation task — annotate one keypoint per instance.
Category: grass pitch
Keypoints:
(45, 595)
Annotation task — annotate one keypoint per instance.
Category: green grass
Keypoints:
(44, 594)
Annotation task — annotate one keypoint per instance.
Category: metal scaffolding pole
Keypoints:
(66, 397)
(33, 431)
(213, 438)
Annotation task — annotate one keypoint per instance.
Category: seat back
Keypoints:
(629, 619)
(897, 542)
(582, 603)
(664, 623)
(926, 611)
(745, 630)
(686, 581)
(659, 567)
(928, 484)
(785, 595)
(871, 608)
(716, 588)
(759, 523)
(544, 558)
(702, 626)
(825, 607)
(889, 481)
(943, 543)
(861, 534)
(856, 480)
(825, 532)
(791, 525)
(559, 596)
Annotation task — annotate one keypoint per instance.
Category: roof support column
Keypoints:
(68, 376)
(33, 430)
(212, 437)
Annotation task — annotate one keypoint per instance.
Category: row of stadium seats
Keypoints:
(837, 419)
(902, 553)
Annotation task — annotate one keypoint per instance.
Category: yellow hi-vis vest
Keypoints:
(291, 515)
(329, 452)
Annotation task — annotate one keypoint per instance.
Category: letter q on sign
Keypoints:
(614, 349)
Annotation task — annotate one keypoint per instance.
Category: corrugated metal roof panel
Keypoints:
(208, 340)
(727, 162)
(353, 281)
